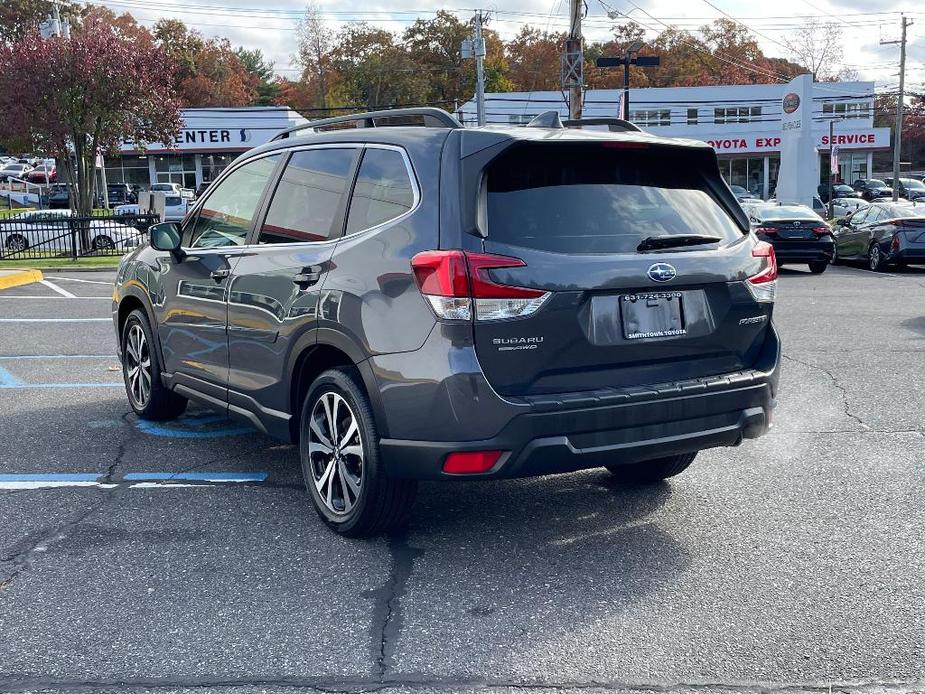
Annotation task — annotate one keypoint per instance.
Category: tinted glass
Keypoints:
(383, 190)
(306, 202)
(875, 215)
(912, 183)
(902, 211)
(860, 216)
(597, 199)
(875, 183)
(226, 215)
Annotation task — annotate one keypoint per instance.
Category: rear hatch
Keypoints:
(791, 229)
(620, 311)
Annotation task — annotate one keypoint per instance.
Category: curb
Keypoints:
(102, 268)
(17, 278)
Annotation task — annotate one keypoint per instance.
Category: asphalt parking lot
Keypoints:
(186, 556)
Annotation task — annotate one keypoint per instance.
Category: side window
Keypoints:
(310, 193)
(225, 217)
(859, 216)
(875, 214)
(383, 190)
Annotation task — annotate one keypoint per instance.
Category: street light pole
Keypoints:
(831, 167)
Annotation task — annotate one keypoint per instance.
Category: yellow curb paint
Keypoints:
(17, 278)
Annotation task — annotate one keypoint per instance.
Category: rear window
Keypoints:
(598, 199)
(768, 214)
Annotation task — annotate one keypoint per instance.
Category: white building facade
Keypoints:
(210, 140)
(741, 122)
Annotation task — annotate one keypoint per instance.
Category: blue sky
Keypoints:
(270, 24)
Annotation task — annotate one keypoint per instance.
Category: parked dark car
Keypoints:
(839, 190)
(458, 303)
(909, 188)
(872, 188)
(119, 194)
(798, 234)
(59, 196)
(883, 235)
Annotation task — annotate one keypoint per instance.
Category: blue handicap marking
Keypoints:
(202, 426)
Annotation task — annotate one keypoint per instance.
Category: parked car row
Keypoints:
(51, 230)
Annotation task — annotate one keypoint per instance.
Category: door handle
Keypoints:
(308, 276)
(219, 275)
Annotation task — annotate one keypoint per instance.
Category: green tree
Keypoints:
(262, 70)
(20, 17)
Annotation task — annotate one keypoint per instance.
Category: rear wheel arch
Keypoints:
(313, 360)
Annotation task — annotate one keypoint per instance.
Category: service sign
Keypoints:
(766, 142)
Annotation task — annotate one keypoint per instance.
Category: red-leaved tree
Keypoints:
(80, 96)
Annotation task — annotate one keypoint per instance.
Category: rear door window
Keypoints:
(308, 202)
(383, 190)
(598, 199)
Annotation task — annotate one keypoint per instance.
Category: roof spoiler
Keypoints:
(614, 125)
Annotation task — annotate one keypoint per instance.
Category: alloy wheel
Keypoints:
(874, 258)
(137, 360)
(335, 453)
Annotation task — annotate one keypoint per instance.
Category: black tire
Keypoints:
(383, 503)
(16, 243)
(818, 267)
(651, 471)
(835, 259)
(160, 403)
(875, 261)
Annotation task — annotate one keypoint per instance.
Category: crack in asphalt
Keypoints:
(386, 620)
(39, 542)
(13, 685)
(841, 389)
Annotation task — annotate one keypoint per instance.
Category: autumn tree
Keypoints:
(86, 95)
(818, 46)
(534, 58)
(434, 45)
(209, 73)
(316, 41)
(21, 17)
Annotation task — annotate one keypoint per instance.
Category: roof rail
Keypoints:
(547, 119)
(433, 118)
(615, 125)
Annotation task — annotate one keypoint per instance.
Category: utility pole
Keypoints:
(474, 47)
(898, 135)
(575, 60)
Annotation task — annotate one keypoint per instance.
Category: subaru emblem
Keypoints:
(662, 272)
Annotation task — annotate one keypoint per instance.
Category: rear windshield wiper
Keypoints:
(651, 243)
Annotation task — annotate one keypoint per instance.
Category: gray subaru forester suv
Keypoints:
(411, 299)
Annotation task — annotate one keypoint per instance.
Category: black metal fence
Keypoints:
(39, 234)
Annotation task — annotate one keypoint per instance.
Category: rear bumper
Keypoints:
(808, 252)
(540, 443)
(908, 255)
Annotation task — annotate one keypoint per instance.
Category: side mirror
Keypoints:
(165, 237)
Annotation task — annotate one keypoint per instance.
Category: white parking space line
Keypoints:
(13, 357)
(55, 320)
(63, 292)
(74, 279)
(56, 298)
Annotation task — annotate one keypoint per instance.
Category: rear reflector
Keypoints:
(763, 286)
(470, 462)
(454, 282)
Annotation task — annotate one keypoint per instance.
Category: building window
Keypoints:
(846, 110)
(652, 118)
(692, 116)
(736, 114)
(131, 169)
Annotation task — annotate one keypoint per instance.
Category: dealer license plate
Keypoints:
(652, 315)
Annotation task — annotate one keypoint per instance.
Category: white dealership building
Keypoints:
(741, 122)
(211, 139)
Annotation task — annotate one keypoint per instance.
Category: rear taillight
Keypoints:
(894, 245)
(767, 231)
(454, 282)
(822, 231)
(763, 286)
